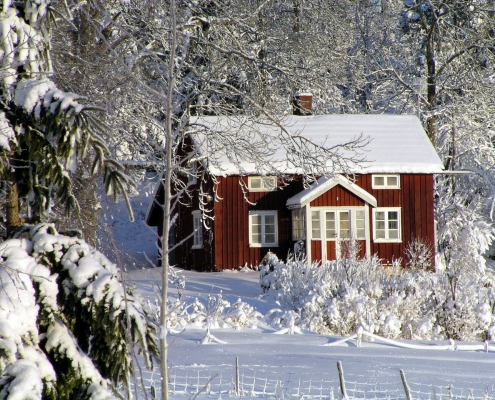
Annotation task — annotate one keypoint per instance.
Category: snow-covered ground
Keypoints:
(300, 365)
(131, 245)
(279, 365)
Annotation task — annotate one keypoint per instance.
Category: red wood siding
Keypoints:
(231, 234)
(337, 197)
(316, 255)
(331, 255)
(415, 197)
(226, 246)
(184, 256)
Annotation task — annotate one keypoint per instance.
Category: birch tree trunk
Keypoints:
(167, 181)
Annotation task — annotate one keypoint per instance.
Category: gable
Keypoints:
(338, 196)
(323, 185)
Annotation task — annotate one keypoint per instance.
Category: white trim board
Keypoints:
(322, 185)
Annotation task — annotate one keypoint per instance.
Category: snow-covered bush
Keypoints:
(67, 322)
(214, 312)
(419, 255)
(340, 296)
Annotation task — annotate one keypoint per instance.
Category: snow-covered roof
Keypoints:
(398, 143)
(324, 184)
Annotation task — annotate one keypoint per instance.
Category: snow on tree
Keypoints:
(45, 132)
(454, 57)
(341, 296)
(195, 59)
(67, 322)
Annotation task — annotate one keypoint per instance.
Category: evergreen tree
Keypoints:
(45, 131)
(68, 323)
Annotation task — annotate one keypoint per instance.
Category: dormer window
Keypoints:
(262, 184)
(386, 182)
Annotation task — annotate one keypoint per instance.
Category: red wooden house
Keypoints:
(385, 203)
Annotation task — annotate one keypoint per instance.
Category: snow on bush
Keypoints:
(66, 320)
(340, 296)
(215, 312)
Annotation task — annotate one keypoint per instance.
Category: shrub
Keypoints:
(339, 296)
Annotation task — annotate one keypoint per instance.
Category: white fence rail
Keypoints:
(263, 382)
(237, 381)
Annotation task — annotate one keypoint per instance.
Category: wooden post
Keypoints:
(406, 386)
(359, 336)
(449, 392)
(237, 391)
(343, 391)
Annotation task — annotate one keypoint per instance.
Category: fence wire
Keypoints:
(263, 382)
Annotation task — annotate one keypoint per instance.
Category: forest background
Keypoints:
(434, 59)
(143, 69)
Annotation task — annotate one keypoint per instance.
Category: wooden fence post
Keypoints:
(406, 386)
(359, 336)
(343, 391)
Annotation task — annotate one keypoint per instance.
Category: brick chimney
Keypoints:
(302, 104)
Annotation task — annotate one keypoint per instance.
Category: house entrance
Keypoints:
(338, 231)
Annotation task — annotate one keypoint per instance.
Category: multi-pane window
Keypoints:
(198, 230)
(298, 223)
(339, 224)
(263, 230)
(315, 225)
(344, 225)
(330, 231)
(386, 182)
(360, 224)
(262, 184)
(386, 223)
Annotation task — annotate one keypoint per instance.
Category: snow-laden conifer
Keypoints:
(44, 131)
(67, 321)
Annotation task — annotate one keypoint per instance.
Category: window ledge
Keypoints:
(342, 240)
(387, 240)
(197, 246)
(263, 245)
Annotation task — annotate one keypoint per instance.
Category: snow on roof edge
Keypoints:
(374, 169)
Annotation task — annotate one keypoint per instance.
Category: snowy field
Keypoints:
(300, 365)
(280, 365)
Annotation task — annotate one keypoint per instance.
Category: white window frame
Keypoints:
(300, 222)
(263, 214)
(387, 238)
(385, 185)
(198, 230)
(264, 187)
(322, 211)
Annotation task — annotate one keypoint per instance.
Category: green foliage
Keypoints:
(85, 325)
(49, 131)
(52, 138)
